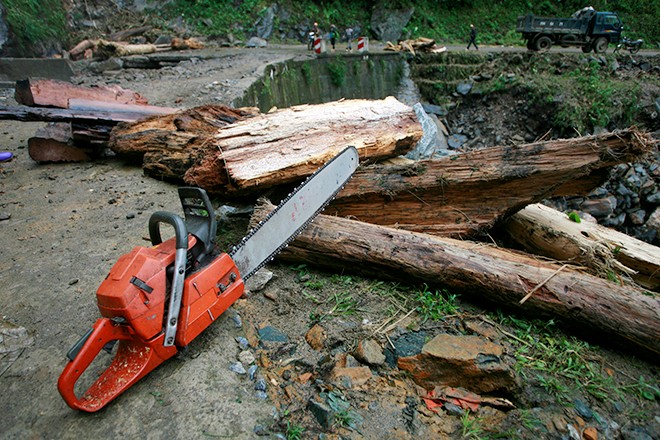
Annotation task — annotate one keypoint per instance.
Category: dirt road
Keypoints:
(66, 224)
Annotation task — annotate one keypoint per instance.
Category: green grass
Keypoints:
(294, 431)
(435, 304)
(562, 363)
(36, 21)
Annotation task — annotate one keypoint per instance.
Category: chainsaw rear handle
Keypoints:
(133, 360)
(180, 230)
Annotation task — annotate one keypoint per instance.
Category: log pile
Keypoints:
(80, 118)
(426, 45)
(486, 273)
(408, 219)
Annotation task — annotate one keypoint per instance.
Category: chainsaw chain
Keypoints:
(286, 242)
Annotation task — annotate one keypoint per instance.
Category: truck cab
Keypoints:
(608, 25)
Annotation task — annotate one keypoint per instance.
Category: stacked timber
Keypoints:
(80, 118)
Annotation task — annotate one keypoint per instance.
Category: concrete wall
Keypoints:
(325, 79)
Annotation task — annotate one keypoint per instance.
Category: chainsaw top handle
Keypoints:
(180, 230)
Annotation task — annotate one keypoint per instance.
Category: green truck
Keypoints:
(587, 28)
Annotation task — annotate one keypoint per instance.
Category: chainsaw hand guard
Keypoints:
(133, 360)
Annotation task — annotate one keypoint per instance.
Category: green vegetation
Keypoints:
(585, 97)
(293, 431)
(435, 305)
(444, 20)
(447, 21)
(337, 70)
(34, 22)
(562, 363)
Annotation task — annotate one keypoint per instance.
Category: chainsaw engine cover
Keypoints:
(135, 288)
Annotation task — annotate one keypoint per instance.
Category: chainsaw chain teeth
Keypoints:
(286, 242)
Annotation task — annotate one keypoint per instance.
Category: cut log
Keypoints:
(78, 52)
(621, 314)
(52, 93)
(25, 113)
(54, 143)
(265, 150)
(544, 231)
(109, 49)
(290, 144)
(467, 194)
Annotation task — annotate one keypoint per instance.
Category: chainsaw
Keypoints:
(156, 300)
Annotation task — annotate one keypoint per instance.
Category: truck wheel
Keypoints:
(600, 45)
(543, 43)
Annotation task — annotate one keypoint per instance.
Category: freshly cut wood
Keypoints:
(241, 155)
(545, 231)
(169, 145)
(621, 314)
(289, 144)
(109, 49)
(53, 93)
(467, 194)
(188, 43)
(54, 143)
(79, 50)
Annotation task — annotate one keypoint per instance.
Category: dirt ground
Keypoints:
(63, 227)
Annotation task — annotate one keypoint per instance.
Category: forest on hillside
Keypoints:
(31, 22)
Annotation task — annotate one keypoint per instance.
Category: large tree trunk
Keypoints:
(621, 314)
(256, 153)
(466, 194)
(545, 231)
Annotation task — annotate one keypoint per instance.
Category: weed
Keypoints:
(293, 431)
(470, 427)
(435, 305)
(574, 216)
(344, 304)
(337, 71)
(558, 360)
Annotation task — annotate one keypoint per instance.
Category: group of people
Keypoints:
(332, 36)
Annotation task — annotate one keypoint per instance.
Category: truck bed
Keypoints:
(531, 23)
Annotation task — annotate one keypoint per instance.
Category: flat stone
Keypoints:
(369, 352)
(322, 412)
(258, 280)
(471, 362)
(316, 337)
(351, 376)
(271, 334)
(590, 433)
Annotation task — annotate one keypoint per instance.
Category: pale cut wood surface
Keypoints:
(545, 231)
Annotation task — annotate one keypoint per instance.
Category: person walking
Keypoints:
(473, 37)
(349, 39)
(333, 36)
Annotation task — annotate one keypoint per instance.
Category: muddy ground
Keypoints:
(64, 225)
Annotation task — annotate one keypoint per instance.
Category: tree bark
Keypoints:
(621, 314)
(467, 194)
(243, 153)
(544, 231)
(54, 93)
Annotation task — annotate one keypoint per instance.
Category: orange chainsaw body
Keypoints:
(133, 304)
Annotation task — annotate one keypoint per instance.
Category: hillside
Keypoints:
(32, 27)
